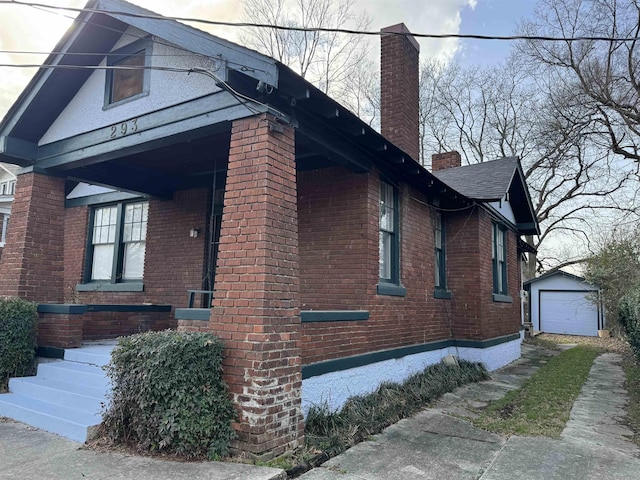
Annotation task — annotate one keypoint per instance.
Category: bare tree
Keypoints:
(329, 60)
(603, 77)
(575, 184)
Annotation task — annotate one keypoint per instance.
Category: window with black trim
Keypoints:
(117, 242)
(389, 239)
(499, 257)
(127, 78)
(440, 257)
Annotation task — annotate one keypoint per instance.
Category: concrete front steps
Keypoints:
(66, 396)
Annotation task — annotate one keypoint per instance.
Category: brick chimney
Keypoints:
(440, 161)
(399, 89)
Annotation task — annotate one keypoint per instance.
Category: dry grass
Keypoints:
(611, 344)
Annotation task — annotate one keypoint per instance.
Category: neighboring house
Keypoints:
(335, 259)
(7, 191)
(564, 303)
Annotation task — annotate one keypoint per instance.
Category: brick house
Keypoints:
(176, 179)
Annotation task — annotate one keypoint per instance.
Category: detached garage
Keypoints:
(563, 303)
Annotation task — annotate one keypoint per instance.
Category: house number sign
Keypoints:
(124, 128)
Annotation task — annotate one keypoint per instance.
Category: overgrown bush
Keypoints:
(169, 395)
(18, 328)
(629, 316)
(366, 415)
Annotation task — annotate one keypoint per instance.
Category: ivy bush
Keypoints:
(18, 328)
(629, 316)
(169, 396)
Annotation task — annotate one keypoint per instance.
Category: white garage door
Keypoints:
(570, 313)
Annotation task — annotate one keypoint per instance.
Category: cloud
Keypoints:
(26, 28)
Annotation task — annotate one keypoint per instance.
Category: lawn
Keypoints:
(542, 405)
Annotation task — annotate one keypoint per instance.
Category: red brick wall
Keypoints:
(339, 270)
(352, 252)
(32, 261)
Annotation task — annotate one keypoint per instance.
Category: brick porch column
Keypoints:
(256, 306)
(32, 263)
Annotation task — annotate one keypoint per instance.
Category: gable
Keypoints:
(88, 109)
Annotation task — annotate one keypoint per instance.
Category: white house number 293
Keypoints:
(124, 128)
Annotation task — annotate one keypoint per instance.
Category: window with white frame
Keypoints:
(499, 258)
(118, 242)
(12, 187)
(3, 229)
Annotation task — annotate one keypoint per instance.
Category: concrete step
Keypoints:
(69, 422)
(72, 395)
(72, 372)
(66, 396)
(98, 354)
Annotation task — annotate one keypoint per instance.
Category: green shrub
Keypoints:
(629, 316)
(366, 415)
(169, 395)
(18, 328)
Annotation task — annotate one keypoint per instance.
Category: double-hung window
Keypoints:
(389, 242)
(499, 257)
(117, 242)
(3, 229)
(389, 271)
(440, 266)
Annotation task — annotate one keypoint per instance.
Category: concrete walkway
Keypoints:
(27, 453)
(438, 444)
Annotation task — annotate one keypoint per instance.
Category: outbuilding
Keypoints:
(564, 303)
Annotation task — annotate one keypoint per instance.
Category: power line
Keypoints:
(326, 29)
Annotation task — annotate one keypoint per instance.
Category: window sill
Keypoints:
(502, 298)
(110, 287)
(437, 293)
(391, 289)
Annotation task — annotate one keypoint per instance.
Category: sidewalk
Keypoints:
(438, 444)
(27, 453)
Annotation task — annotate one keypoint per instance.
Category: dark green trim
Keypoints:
(50, 352)
(110, 287)
(309, 316)
(345, 363)
(492, 342)
(78, 309)
(202, 314)
(438, 293)
(391, 289)
(502, 298)
(62, 308)
(128, 308)
(100, 198)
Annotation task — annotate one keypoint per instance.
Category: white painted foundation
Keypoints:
(335, 388)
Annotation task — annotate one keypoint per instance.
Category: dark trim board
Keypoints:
(346, 363)
(79, 309)
(309, 316)
(200, 314)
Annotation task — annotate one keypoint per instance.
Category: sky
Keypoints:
(28, 29)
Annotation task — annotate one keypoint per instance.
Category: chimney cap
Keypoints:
(401, 28)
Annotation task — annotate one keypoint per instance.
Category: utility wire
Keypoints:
(326, 29)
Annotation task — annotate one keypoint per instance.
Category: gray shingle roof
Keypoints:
(486, 181)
